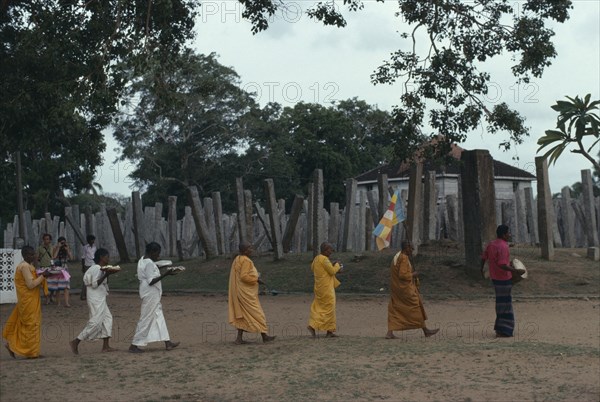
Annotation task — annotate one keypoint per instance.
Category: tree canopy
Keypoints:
(67, 66)
(442, 64)
(63, 67)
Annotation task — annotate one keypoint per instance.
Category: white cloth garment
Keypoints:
(100, 323)
(88, 255)
(152, 326)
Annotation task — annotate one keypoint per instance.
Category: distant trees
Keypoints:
(187, 122)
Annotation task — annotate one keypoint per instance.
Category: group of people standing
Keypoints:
(22, 330)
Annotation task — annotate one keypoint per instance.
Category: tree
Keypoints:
(443, 78)
(343, 140)
(182, 119)
(576, 120)
(63, 67)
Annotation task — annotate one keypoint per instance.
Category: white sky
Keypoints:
(297, 59)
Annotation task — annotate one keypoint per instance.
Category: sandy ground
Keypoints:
(555, 354)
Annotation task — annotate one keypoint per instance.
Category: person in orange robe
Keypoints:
(405, 309)
(322, 309)
(245, 311)
(23, 329)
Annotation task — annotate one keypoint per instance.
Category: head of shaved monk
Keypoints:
(28, 254)
(246, 248)
(326, 249)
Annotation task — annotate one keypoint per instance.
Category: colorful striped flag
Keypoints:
(393, 216)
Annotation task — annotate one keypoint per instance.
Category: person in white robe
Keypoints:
(152, 326)
(99, 325)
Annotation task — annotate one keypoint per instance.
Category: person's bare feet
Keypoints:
(430, 332)
(135, 349)
(12, 354)
(390, 335)
(108, 349)
(313, 334)
(240, 342)
(74, 346)
(171, 345)
(330, 334)
(267, 338)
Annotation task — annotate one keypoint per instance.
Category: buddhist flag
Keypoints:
(393, 216)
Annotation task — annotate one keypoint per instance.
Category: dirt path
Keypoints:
(555, 354)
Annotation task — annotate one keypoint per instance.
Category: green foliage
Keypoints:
(181, 122)
(576, 119)
(443, 78)
(63, 67)
(287, 145)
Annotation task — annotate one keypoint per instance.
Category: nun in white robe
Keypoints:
(99, 325)
(152, 326)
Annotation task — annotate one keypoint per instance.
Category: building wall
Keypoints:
(505, 188)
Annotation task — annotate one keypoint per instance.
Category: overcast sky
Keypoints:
(297, 59)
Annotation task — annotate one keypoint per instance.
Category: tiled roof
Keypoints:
(400, 170)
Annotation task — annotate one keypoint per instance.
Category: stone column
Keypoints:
(429, 207)
(272, 209)
(568, 217)
(588, 208)
(382, 188)
(531, 215)
(414, 205)
(545, 209)
(479, 206)
(317, 211)
(349, 215)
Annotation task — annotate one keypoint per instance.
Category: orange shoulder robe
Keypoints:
(322, 309)
(245, 311)
(23, 328)
(405, 309)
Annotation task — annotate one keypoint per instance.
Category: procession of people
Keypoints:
(22, 331)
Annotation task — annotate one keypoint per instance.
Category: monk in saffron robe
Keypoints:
(23, 329)
(245, 311)
(322, 309)
(405, 309)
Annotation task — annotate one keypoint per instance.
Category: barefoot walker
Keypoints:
(152, 326)
(322, 309)
(245, 311)
(405, 309)
(99, 325)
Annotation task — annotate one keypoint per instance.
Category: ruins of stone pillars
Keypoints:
(568, 217)
(288, 235)
(414, 205)
(273, 218)
(479, 205)
(349, 213)
(208, 245)
(429, 207)
(317, 211)
(545, 209)
(220, 230)
(115, 226)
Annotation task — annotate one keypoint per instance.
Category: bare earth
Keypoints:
(555, 354)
